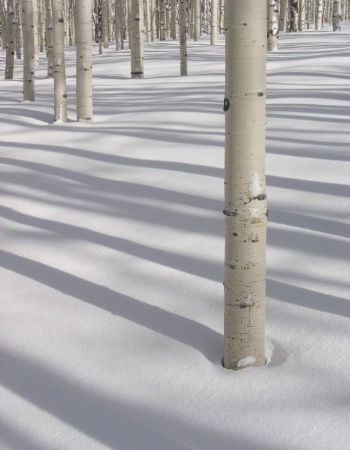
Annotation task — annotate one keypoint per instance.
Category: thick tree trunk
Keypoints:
(84, 60)
(319, 13)
(59, 71)
(28, 51)
(272, 25)
(245, 192)
(336, 15)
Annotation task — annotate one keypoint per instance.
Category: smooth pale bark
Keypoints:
(245, 191)
(336, 15)
(49, 39)
(301, 23)
(36, 31)
(11, 40)
(319, 13)
(136, 39)
(153, 21)
(272, 25)
(283, 14)
(59, 70)
(197, 19)
(214, 22)
(173, 19)
(162, 20)
(183, 36)
(28, 51)
(3, 23)
(41, 24)
(105, 24)
(84, 60)
(18, 31)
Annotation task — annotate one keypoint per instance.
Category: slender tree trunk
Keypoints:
(11, 40)
(272, 25)
(336, 15)
(28, 51)
(84, 60)
(214, 22)
(59, 73)
(18, 31)
(301, 15)
(136, 39)
(104, 20)
(49, 39)
(183, 36)
(245, 192)
(197, 19)
(3, 23)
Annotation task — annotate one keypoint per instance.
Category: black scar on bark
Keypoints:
(226, 104)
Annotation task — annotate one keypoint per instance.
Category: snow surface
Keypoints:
(112, 243)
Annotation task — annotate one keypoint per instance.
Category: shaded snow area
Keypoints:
(112, 246)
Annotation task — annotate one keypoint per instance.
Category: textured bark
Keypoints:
(245, 191)
(197, 19)
(105, 24)
(183, 37)
(28, 51)
(49, 39)
(59, 70)
(84, 60)
(11, 40)
(301, 15)
(293, 15)
(136, 39)
(336, 15)
(319, 13)
(283, 10)
(272, 25)
(214, 22)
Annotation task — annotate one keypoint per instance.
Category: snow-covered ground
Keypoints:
(112, 253)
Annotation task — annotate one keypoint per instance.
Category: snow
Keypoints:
(112, 244)
(247, 361)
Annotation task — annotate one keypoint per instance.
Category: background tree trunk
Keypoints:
(336, 15)
(11, 40)
(214, 22)
(59, 72)
(319, 13)
(245, 192)
(84, 60)
(28, 51)
(183, 36)
(136, 39)
(272, 25)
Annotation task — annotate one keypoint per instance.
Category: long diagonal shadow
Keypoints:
(187, 264)
(174, 326)
(309, 299)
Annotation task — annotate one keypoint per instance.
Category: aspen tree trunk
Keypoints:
(245, 192)
(49, 39)
(214, 22)
(293, 15)
(11, 40)
(162, 32)
(336, 15)
(197, 19)
(104, 20)
(41, 24)
(183, 36)
(28, 51)
(173, 19)
(153, 21)
(59, 72)
(3, 23)
(36, 32)
(18, 31)
(301, 15)
(319, 13)
(136, 39)
(283, 11)
(272, 25)
(84, 60)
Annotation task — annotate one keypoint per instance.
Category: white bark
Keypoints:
(272, 25)
(319, 13)
(84, 60)
(197, 19)
(28, 51)
(183, 36)
(59, 70)
(301, 15)
(49, 39)
(336, 15)
(11, 40)
(136, 39)
(214, 22)
(18, 31)
(105, 24)
(283, 11)
(245, 191)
